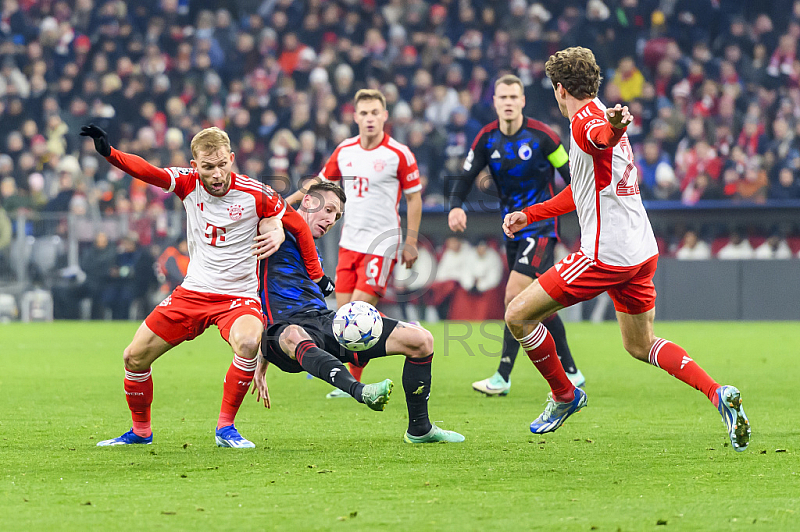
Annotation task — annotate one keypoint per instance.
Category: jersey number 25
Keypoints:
(628, 185)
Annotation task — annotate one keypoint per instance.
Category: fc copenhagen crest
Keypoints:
(379, 165)
(235, 212)
(525, 152)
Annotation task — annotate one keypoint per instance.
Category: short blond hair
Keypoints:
(369, 94)
(210, 140)
(509, 79)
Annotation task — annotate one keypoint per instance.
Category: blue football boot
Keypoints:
(555, 412)
(129, 438)
(230, 437)
(730, 406)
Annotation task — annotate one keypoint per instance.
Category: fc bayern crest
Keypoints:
(379, 165)
(235, 212)
(525, 152)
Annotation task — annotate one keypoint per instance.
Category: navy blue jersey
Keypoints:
(522, 166)
(284, 285)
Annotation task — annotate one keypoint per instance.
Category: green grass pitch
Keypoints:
(647, 453)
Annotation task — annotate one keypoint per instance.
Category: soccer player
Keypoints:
(299, 336)
(373, 169)
(618, 253)
(522, 155)
(221, 284)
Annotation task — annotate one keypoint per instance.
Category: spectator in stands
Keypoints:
(172, 266)
(132, 276)
(96, 263)
(786, 187)
(738, 248)
(12, 199)
(667, 187)
(450, 275)
(754, 185)
(774, 247)
(5, 231)
(486, 268)
(628, 79)
(700, 159)
(652, 156)
(701, 188)
(693, 248)
(411, 284)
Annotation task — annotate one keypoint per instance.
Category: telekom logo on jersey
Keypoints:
(361, 185)
(214, 234)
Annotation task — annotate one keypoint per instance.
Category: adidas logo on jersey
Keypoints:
(495, 154)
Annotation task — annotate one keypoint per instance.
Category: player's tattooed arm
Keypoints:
(260, 382)
(269, 238)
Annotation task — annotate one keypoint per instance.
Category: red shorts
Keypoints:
(359, 271)
(185, 314)
(576, 278)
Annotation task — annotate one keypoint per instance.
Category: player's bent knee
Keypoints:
(514, 315)
(247, 345)
(134, 360)
(420, 344)
(636, 350)
(291, 336)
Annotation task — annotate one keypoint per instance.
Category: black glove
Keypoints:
(326, 285)
(100, 139)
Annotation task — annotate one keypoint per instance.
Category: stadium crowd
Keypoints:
(714, 86)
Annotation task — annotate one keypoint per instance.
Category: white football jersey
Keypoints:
(221, 229)
(615, 230)
(372, 180)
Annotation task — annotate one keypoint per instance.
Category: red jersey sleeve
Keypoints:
(268, 203)
(562, 203)
(331, 170)
(295, 224)
(138, 168)
(407, 170)
(595, 133)
(185, 180)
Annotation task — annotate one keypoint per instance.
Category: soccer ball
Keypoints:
(357, 326)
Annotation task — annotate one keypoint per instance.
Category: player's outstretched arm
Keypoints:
(562, 203)
(132, 165)
(260, 382)
(269, 238)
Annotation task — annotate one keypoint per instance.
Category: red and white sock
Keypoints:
(673, 359)
(237, 382)
(355, 371)
(139, 394)
(541, 349)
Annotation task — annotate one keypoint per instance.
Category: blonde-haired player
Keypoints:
(221, 285)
